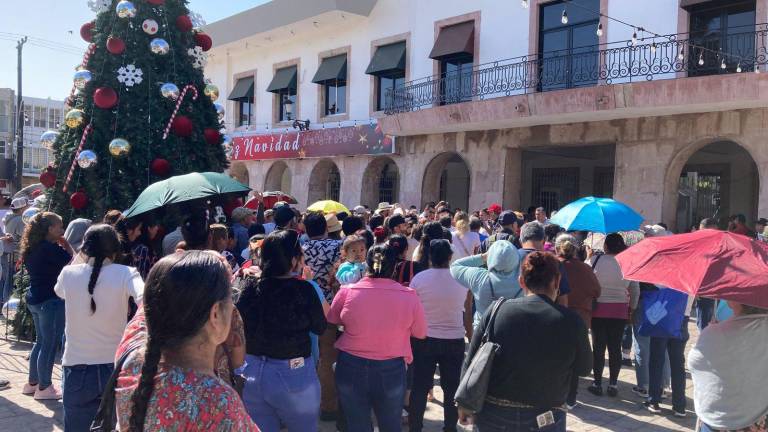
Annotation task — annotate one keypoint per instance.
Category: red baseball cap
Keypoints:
(494, 208)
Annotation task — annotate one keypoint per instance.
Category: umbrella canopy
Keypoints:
(184, 188)
(707, 263)
(329, 206)
(31, 191)
(603, 215)
(270, 199)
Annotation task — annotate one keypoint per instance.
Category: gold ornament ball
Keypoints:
(74, 118)
(119, 147)
(212, 91)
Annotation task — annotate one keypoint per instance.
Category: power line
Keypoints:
(42, 40)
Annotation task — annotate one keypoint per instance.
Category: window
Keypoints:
(5, 117)
(287, 98)
(388, 183)
(722, 26)
(335, 97)
(332, 75)
(388, 66)
(284, 85)
(242, 95)
(456, 74)
(568, 53)
(41, 117)
(27, 115)
(245, 108)
(333, 187)
(2, 148)
(54, 118)
(387, 84)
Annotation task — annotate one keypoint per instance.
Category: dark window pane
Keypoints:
(584, 60)
(335, 98)
(456, 84)
(245, 108)
(554, 61)
(726, 28)
(285, 96)
(579, 11)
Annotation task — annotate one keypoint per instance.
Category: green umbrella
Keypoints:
(184, 188)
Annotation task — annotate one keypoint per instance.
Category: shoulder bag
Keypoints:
(473, 386)
(106, 417)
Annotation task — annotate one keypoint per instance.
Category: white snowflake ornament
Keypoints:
(129, 75)
(199, 57)
(197, 20)
(99, 6)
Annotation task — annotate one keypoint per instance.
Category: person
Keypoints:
(279, 311)
(533, 370)
(242, 219)
(219, 241)
(76, 231)
(94, 294)
(508, 224)
(371, 366)
(585, 290)
(727, 366)
(353, 254)
(443, 300)
(500, 279)
(405, 269)
(465, 241)
(476, 226)
(14, 230)
(170, 350)
(112, 217)
(195, 232)
(532, 237)
(551, 232)
(430, 231)
(352, 225)
(334, 226)
(618, 299)
(285, 218)
(739, 226)
(171, 240)
(134, 253)
(45, 252)
(540, 216)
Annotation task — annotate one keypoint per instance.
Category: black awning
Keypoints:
(455, 39)
(284, 78)
(331, 69)
(243, 89)
(387, 59)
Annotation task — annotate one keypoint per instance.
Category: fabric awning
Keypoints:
(284, 78)
(387, 59)
(455, 39)
(688, 3)
(331, 69)
(243, 89)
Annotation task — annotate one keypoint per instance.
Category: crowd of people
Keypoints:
(283, 319)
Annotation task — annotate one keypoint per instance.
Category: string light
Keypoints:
(723, 65)
(757, 69)
(634, 38)
(738, 68)
(524, 4)
(564, 17)
(599, 29)
(653, 48)
(701, 59)
(681, 56)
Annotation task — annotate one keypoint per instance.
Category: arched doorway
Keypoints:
(447, 178)
(717, 181)
(381, 182)
(278, 178)
(324, 182)
(239, 172)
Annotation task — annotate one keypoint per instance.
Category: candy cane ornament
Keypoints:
(86, 132)
(178, 104)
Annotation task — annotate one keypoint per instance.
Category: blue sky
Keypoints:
(48, 72)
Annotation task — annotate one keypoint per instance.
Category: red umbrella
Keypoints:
(707, 263)
(270, 199)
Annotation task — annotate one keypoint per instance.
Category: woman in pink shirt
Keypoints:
(379, 317)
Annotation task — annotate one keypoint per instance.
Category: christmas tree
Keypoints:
(140, 109)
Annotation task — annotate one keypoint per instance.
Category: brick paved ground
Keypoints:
(624, 413)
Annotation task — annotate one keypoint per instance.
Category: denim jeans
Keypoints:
(48, 317)
(705, 309)
(448, 354)
(275, 394)
(364, 385)
(494, 418)
(83, 386)
(642, 348)
(676, 350)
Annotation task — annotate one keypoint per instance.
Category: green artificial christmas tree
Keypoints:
(140, 109)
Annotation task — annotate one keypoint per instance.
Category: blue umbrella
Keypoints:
(602, 215)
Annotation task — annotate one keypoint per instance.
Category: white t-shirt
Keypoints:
(464, 246)
(92, 338)
(443, 300)
(412, 245)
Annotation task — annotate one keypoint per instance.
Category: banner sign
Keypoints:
(364, 139)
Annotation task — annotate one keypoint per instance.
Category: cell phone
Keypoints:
(546, 419)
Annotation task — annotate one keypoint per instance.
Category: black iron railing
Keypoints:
(740, 50)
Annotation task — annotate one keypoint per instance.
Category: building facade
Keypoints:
(526, 103)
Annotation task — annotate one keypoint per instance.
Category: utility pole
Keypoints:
(20, 112)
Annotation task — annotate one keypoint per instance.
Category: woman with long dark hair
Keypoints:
(169, 382)
(405, 269)
(280, 311)
(95, 293)
(44, 252)
(430, 231)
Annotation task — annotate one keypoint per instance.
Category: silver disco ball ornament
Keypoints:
(159, 46)
(169, 91)
(220, 110)
(48, 138)
(119, 147)
(125, 9)
(82, 78)
(9, 309)
(86, 159)
(29, 214)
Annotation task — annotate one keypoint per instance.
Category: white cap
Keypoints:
(19, 203)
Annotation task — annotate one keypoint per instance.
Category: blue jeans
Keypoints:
(364, 385)
(48, 317)
(705, 309)
(276, 395)
(676, 350)
(494, 418)
(83, 387)
(642, 347)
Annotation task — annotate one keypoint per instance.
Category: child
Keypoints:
(353, 254)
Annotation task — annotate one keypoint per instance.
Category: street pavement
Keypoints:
(622, 414)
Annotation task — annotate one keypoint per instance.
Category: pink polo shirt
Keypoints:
(379, 318)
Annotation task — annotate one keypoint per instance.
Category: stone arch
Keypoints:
(447, 178)
(731, 161)
(381, 182)
(324, 182)
(239, 172)
(278, 178)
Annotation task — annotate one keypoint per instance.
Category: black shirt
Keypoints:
(542, 346)
(44, 263)
(278, 315)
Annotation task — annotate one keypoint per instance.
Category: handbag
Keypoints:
(663, 313)
(106, 417)
(473, 385)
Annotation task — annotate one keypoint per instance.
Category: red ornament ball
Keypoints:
(48, 178)
(203, 41)
(183, 23)
(212, 136)
(115, 45)
(182, 126)
(78, 200)
(160, 167)
(86, 31)
(156, 2)
(105, 97)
